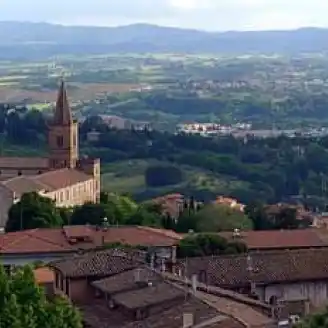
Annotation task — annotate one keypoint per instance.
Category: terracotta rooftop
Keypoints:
(267, 267)
(172, 204)
(24, 163)
(60, 179)
(102, 263)
(141, 236)
(74, 238)
(150, 295)
(47, 182)
(275, 239)
(167, 302)
(126, 281)
(22, 184)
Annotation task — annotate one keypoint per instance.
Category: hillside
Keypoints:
(34, 40)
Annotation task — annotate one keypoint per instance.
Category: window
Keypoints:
(60, 141)
(19, 172)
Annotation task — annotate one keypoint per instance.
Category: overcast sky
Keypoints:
(218, 15)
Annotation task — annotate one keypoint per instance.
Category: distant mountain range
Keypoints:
(42, 39)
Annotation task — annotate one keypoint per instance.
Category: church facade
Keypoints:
(62, 176)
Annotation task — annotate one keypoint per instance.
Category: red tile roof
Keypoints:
(267, 267)
(24, 163)
(22, 184)
(102, 263)
(49, 181)
(73, 238)
(275, 239)
(141, 236)
(63, 178)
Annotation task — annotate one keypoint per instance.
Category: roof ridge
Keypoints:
(26, 234)
(47, 240)
(157, 231)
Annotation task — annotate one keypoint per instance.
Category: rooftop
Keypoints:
(101, 263)
(74, 238)
(24, 163)
(275, 239)
(47, 182)
(166, 302)
(266, 267)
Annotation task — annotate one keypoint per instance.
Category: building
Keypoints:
(117, 289)
(279, 239)
(47, 245)
(230, 202)
(62, 176)
(294, 279)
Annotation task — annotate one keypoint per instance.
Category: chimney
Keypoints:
(163, 267)
(152, 261)
(188, 320)
(194, 283)
(137, 275)
(236, 233)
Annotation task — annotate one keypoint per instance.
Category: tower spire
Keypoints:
(63, 114)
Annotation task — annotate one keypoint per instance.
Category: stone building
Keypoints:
(62, 176)
(293, 281)
(118, 289)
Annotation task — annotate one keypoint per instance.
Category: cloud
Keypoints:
(203, 14)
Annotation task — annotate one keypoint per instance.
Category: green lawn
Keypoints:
(128, 176)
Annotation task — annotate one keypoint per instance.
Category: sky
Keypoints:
(212, 15)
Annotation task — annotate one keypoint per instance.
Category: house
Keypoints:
(174, 204)
(46, 245)
(279, 239)
(281, 277)
(119, 290)
(62, 176)
(230, 202)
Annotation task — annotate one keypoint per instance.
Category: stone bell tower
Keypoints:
(63, 134)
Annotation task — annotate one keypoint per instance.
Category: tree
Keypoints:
(158, 176)
(24, 304)
(33, 211)
(317, 320)
(88, 213)
(208, 244)
(215, 218)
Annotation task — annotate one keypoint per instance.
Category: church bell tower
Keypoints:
(63, 134)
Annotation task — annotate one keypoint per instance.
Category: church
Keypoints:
(62, 176)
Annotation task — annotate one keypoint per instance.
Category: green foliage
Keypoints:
(208, 244)
(23, 304)
(270, 170)
(114, 209)
(284, 218)
(214, 218)
(317, 320)
(158, 176)
(33, 211)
